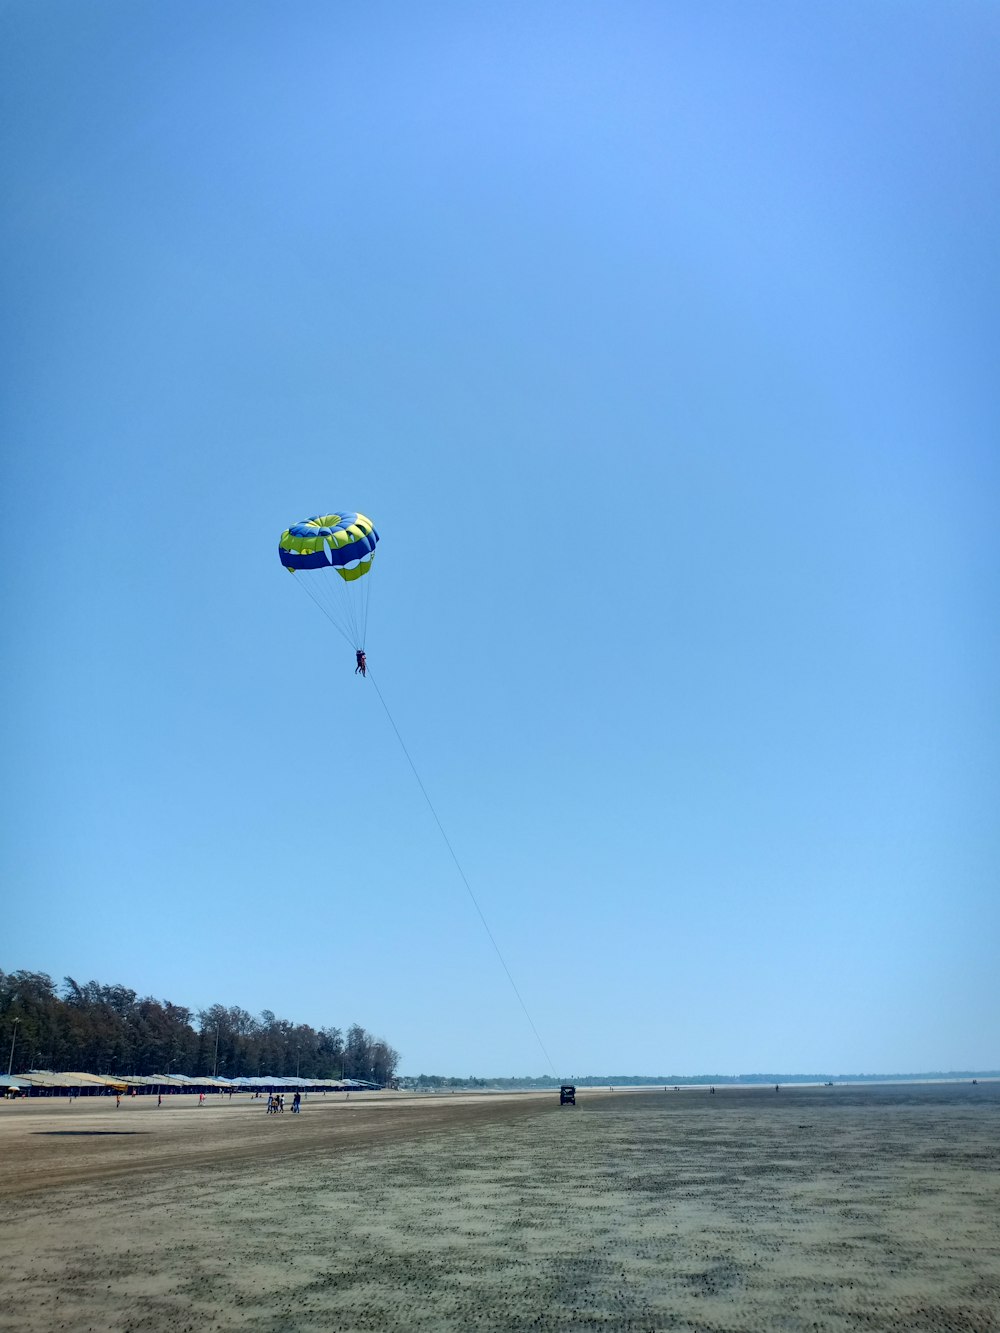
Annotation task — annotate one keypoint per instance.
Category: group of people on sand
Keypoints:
(276, 1103)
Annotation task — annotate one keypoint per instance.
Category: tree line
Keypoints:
(112, 1030)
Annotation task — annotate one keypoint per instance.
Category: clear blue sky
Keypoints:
(661, 341)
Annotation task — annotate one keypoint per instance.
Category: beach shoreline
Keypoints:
(874, 1207)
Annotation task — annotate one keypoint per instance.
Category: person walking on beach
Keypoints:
(296, 1103)
(270, 1103)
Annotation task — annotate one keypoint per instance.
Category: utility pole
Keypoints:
(215, 1067)
(10, 1062)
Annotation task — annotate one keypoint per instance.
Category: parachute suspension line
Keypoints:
(307, 587)
(356, 596)
(365, 602)
(340, 608)
(347, 606)
(352, 599)
(462, 874)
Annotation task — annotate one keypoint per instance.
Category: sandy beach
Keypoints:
(873, 1208)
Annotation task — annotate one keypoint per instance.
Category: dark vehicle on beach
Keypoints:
(567, 1095)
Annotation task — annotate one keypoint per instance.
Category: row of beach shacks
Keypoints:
(42, 1083)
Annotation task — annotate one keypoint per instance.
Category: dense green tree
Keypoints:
(110, 1029)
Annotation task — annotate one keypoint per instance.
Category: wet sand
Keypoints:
(844, 1208)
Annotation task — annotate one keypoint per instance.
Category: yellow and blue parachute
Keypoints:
(334, 554)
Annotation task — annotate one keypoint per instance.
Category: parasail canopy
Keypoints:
(341, 543)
